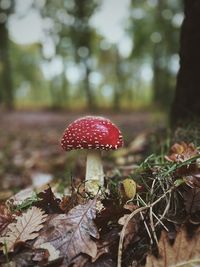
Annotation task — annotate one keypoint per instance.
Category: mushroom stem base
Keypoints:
(94, 172)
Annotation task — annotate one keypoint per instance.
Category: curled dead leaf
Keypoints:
(182, 152)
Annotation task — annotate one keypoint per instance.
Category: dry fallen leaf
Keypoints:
(18, 198)
(191, 198)
(182, 152)
(192, 180)
(139, 143)
(48, 202)
(5, 217)
(53, 253)
(27, 256)
(71, 233)
(101, 262)
(68, 202)
(184, 252)
(25, 228)
(131, 229)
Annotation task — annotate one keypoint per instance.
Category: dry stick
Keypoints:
(147, 229)
(159, 221)
(145, 224)
(165, 211)
(152, 225)
(119, 258)
(168, 203)
(151, 216)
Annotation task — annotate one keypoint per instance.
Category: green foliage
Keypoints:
(104, 77)
(155, 28)
(28, 79)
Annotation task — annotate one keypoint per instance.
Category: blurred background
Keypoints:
(89, 54)
(62, 59)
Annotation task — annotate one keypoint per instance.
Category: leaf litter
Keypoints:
(25, 228)
(185, 252)
(72, 233)
(129, 227)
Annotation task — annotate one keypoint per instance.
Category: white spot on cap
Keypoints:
(93, 133)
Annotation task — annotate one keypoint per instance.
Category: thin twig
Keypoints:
(145, 224)
(121, 240)
(151, 215)
(152, 224)
(159, 221)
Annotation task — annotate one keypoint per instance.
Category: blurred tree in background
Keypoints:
(155, 28)
(27, 77)
(82, 36)
(56, 32)
(72, 36)
(74, 66)
(186, 107)
(6, 86)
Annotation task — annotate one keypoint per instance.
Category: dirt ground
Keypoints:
(29, 143)
(130, 123)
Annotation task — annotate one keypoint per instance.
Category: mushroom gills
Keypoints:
(94, 172)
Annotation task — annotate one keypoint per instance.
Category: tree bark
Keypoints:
(64, 89)
(119, 82)
(186, 105)
(6, 90)
(90, 99)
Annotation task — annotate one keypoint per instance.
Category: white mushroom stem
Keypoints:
(94, 172)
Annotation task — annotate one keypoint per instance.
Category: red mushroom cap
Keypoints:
(92, 132)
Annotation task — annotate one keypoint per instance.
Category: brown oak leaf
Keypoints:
(71, 233)
(184, 252)
(25, 228)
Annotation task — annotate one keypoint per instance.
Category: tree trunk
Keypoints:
(161, 51)
(157, 72)
(64, 91)
(6, 94)
(119, 82)
(88, 90)
(186, 104)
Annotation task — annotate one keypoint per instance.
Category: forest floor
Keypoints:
(147, 213)
(131, 122)
(29, 142)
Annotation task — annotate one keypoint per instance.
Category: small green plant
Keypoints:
(27, 203)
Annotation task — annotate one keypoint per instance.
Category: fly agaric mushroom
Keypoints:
(94, 134)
